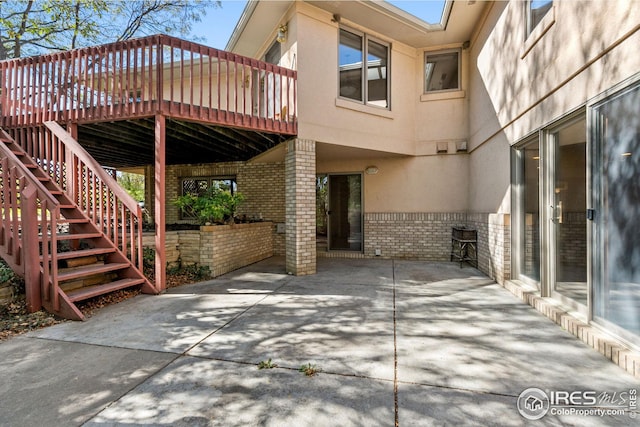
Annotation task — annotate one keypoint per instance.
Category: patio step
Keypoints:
(97, 290)
(90, 270)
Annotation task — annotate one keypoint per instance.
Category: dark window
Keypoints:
(200, 185)
(442, 71)
(364, 66)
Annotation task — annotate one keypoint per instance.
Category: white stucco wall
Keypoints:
(518, 84)
(410, 184)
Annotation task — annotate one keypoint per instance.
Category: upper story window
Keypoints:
(273, 55)
(364, 68)
(536, 10)
(442, 70)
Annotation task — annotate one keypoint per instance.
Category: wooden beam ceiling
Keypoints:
(129, 143)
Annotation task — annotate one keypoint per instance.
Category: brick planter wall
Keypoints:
(222, 248)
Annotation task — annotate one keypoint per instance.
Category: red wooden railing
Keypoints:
(141, 77)
(28, 228)
(89, 186)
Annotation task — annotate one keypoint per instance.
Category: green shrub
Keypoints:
(213, 206)
(7, 275)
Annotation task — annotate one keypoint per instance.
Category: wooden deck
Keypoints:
(144, 77)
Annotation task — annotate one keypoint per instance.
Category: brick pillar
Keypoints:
(300, 202)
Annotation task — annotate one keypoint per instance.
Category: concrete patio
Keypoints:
(403, 342)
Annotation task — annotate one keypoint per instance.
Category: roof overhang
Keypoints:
(458, 21)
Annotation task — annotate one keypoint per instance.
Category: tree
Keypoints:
(133, 183)
(30, 27)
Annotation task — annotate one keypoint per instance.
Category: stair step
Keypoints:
(93, 291)
(85, 252)
(90, 270)
(77, 236)
(72, 221)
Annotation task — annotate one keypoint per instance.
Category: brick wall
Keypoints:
(222, 248)
(171, 244)
(262, 184)
(225, 248)
(410, 235)
(427, 236)
(494, 244)
(300, 205)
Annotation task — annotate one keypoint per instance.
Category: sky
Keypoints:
(216, 28)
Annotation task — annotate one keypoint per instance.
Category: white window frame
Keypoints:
(529, 22)
(426, 77)
(365, 53)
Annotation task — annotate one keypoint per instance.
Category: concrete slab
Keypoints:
(52, 383)
(465, 349)
(197, 392)
(343, 329)
(420, 405)
(169, 322)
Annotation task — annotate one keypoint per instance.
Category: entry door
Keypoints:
(568, 222)
(345, 212)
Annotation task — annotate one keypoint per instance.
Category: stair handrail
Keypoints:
(40, 280)
(81, 155)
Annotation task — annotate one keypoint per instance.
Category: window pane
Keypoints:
(377, 74)
(617, 289)
(224, 185)
(441, 71)
(351, 57)
(194, 186)
(537, 10)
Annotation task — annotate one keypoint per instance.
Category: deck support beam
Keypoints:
(159, 202)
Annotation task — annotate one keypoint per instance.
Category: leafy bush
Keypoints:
(7, 275)
(213, 206)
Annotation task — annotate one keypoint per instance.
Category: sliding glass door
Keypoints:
(568, 202)
(550, 226)
(616, 182)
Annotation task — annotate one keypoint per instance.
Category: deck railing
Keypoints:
(28, 228)
(141, 77)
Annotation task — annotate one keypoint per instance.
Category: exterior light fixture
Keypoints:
(371, 170)
(282, 33)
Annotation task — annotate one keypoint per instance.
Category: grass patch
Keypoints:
(267, 364)
(309, 369)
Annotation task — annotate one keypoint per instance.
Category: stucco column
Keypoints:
(300, 201)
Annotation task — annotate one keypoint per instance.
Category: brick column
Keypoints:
(300, 206)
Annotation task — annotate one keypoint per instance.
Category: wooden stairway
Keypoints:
(82, 254)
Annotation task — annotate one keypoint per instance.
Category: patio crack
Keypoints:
(395, 348)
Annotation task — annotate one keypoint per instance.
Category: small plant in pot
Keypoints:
(213, 206)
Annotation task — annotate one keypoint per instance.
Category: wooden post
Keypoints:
(31, 255)
(159, 202)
